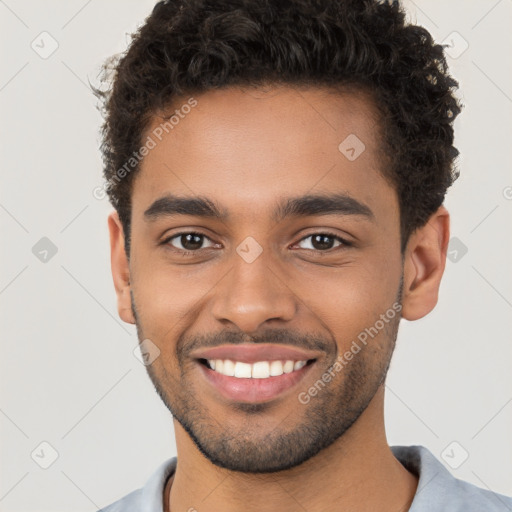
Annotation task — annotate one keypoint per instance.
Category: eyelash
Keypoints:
(184, 252)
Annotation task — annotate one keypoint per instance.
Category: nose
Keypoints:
(252, 294)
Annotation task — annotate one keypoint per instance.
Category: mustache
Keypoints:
(313, 342)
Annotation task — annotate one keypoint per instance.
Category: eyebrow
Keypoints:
(302, 206)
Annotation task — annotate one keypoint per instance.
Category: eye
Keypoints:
(187, 242)
(323, 242)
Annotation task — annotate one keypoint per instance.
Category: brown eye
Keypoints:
(323, 242)
(188, 241)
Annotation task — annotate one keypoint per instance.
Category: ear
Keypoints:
(120, 268)
(424, 263)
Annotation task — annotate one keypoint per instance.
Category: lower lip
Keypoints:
(253, 390)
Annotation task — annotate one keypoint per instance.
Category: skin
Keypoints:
(247, 150)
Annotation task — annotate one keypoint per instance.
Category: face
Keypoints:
(292, 242)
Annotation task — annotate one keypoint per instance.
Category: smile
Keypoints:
(257, 370)
(256, 382)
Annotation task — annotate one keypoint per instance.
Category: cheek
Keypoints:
(350, 299)
(166, 296)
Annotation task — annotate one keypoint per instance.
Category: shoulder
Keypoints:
(472, 498)
(150, 497)
(129, 502)
(439, 490)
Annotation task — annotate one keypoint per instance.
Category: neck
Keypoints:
(358, 472)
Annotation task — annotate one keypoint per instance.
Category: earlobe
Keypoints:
(120, 268)
(424, 264)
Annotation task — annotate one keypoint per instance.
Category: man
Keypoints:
(278, 171)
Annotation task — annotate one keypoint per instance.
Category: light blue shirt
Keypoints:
(438, 490)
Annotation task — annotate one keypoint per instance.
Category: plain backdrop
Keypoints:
(68, 374)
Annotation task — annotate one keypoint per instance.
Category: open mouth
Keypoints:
(257, 370)
(257, 382)
(254, 373)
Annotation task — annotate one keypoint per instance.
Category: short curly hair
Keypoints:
(192, 46)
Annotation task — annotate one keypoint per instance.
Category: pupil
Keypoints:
(322, 241)
(188, 242)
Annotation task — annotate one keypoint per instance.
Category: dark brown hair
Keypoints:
(192, 46)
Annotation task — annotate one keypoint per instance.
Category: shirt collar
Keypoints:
(433, 483)
(152, 498)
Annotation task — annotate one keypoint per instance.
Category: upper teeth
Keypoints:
(258, 370)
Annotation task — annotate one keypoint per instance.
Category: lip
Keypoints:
(253, 390)
(254, 353)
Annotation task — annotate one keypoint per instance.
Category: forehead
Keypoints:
(249, 147)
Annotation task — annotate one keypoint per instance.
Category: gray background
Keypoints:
(68, 373)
